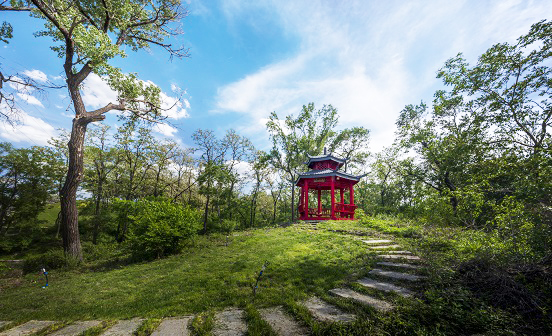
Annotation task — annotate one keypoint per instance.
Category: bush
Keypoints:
(159, 228)
(53, 259)
(225, 226)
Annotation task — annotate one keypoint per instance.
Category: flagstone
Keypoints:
(384, 286)
(124, 327)
(399, 256)
(173, 326)
(281, 323)
(229, 322)
(28, 328)
(76, 328)
(396, 275)
(377, 241)
(401, 265)
(384, 247)
(324, 311)
(362, 298)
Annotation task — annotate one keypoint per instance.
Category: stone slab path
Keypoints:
(77, 328)
(400, 265)
(400, 252)
(229, 322)
(377, 241)
(28, 328)
(326, 312)
(124, 327)
(395, 275)
(362, 298)
(398, 256)
(384, 247)
(173, 326)
(281, 323)
(384, 286)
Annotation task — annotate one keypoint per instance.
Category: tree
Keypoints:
(294, 138)
(103, 159)
(351, 144)
(87, 35)
(512, 84)
(28, 177)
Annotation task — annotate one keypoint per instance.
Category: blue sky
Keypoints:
(248, 58)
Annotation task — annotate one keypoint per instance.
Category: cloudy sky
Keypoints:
(248, 58)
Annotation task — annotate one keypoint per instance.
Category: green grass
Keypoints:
(208, 275)
(49, 215)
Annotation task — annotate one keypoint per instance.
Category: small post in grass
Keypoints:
(259, 278)
(45, 273)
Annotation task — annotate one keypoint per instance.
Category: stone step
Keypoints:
(401, 265)
(377, 241)
(229, 322)
(384, 247)
(324, 311)
(400, 252)
(396, 275)
(281, 323)
(177, 326)
(76, 328)
(124, 327)
(398, 256)
(384, 286)
(362, 298)
(28, 328)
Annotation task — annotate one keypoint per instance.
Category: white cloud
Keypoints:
(37, 75)
(30, 99)
(166, 130)
(28, 129)
(366, 58)
(96, 93)
(173, 107)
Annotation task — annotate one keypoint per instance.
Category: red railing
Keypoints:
(345, 207)
(324, 212)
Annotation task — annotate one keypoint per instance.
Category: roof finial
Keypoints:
(324, 150)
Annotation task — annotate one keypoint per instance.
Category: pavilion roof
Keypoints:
(326, 172)
(325, 157)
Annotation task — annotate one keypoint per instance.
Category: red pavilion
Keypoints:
(325, 176)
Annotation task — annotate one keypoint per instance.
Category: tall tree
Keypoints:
(87, 35)
(296, 137)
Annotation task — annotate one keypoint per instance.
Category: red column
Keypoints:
(301, 201)
(332, 191)
(306, 199)
(352, 200)
(319, 201)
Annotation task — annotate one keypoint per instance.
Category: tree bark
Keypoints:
(68, 193)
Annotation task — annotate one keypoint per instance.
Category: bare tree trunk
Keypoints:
(68, 193)
(97, 212)
(292, 201)
(206, 213)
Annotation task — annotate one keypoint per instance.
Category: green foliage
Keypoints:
(53, 259)
(159, 228)
(226, 226)
(28, 178)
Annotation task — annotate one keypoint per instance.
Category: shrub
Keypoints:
(225, 226)
(159, 228)
(53, 259)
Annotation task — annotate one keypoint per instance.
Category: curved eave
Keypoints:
(320, 158)
(326, 174)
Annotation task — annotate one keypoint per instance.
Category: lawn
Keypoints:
(208, 275)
